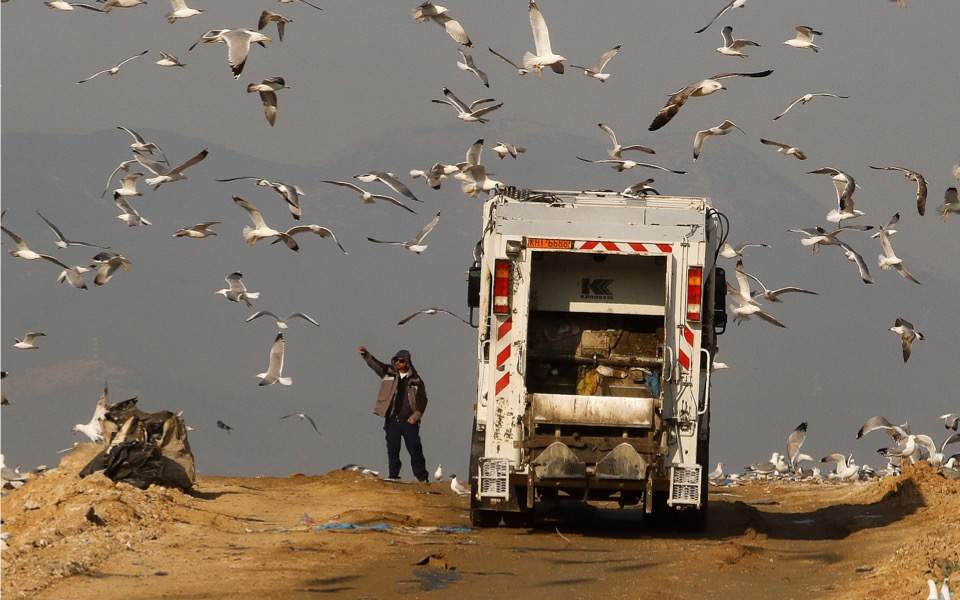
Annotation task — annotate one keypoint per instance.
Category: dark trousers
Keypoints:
(410, 434)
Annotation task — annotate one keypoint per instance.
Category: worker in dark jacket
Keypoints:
(401, 401)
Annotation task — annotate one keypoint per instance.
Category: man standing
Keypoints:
(401, 401)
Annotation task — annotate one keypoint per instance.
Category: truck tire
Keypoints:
(478, 516)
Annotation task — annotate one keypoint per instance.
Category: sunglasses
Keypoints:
(399, 361)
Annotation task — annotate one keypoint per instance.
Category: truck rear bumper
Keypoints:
(559, 462)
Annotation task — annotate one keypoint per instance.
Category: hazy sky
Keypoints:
(362, 75)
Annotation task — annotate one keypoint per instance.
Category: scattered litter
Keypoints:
(352, 526)
(864, 568)
(31, 504)
(562, 537)
(435, 572)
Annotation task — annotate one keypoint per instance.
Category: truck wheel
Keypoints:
(484, 518)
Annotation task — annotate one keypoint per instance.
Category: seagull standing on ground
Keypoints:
(721, 129)
(908, 334)
(804, 99)
(717, 474)
(596, 71)
(804, 38)
(950, 421)
(457, 487)
(429, 11)
(704, 87)
(466, 64)
(94, 428)
(432, 311)
(415, 245)
(728, 6)
(27, 343)
(733, 47)
(915, 177)
(616, 150)
(275, 368)
(544, 56)
(785, 149)
(468, 114)
(237, 290)
(303, 417)
(282, 323)
(114, 69)
(268, 95)
(63, 242)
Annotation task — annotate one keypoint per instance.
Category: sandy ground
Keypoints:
(259, 538)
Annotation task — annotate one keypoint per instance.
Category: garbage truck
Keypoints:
(597, 316)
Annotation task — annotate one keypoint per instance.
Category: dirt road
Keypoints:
(264, 538)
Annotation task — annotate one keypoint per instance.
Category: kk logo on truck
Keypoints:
(596, 289)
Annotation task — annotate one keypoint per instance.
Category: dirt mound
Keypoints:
(62, 525)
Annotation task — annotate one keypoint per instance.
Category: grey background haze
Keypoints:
(362, 75)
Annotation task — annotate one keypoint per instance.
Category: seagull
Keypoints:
(275, 368)
(457, 487)
(845, 469)
(438, 474)
(266, 17)
(268, 95)
(436, 174)
(951, 203)
(123, 166)
(520, 70)
(238, 43)
(889, 227)
(304, 1)
(621, 165)
(731, 46)
(198, 231)
(237, 290)
(746, 306)
(616, 150)
(785, 149)
(475, 180)
(950, 421)
(282, 323)
(390, 180)
(130, 216)
(429, 11)
(907, 334)
(432, 311)
(544, 56)
(794, 443)
(252, 235)
(128, 186)
(22, 250)
(180, 10)
(71, 275)
(772, 295)
(502, 149)
(224, 426)
(63, 242)
(114, 69)
(717, 474)
(368, 198)
(728, 6)
(468, 113)
(897, 432)
(106, 264)
(62, 5)
(804, 38)
(704, 87)
(845, 186)
(164, 174)
(944, 593)
(109, 5)
(27, 342)
(728, 251)
(818, 236)
(768, 467)
(807, 98)
(466, 64)
(905, 450)
(641, 188)
(169, 60)
(301, 416)
(596, 71)
(94, 428)
(855, 258)
(415, 245)
(888, 260)
(290, 193)
(721, 129)
(915, 177)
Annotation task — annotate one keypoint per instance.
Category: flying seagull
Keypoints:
(198, 231)
(804, 99)
(432, 311)
(795, 442)
(436, 174)
(728, 251)
(290, 193)
(468, 114)
(616, 150)
(768, 294)
(128, 186)
(475, 180)
(180, 10)
(746, 306)
(114, 69)
(704, 87)
(303, 417)
(622, 165)
(520, 70)
(641, 188)
(63, 5)
(224, 426)
(94, 428)
(304, 1)
(415, 245)
(109, 5)
(951, 203)
(596, 71)
(733, 47)
(897, 432)
(950, 421)
(22, 250)
(429, 11)
(544, 56)
(62, 241)
(237, 290)
(845, 186)
(251, 235)
(728, 6)
(238, 43)
(721, 129)
(70, 275)
(165, 174)
(888, 260)
(466, 64)
(268, 95)
(908, 334)
(282, 323)
(169, 60)
(804, 38)
(915, 177)
(27, 343)
(275, 367)
(502, 150)
(266, 17)
(785, 149)
(106, 264)
(368, 198)
(129, 214)
(390, 180)
(123, 166)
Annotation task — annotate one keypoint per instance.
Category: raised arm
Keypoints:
(378, 367)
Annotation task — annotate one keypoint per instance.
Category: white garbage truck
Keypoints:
(597, 315)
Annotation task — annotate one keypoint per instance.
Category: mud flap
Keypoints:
(559, 462)
(623, 462)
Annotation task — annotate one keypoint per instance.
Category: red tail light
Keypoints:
(502, 274)
(694, 293)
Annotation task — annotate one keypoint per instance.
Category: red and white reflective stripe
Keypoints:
(503, 354)
(685, 352)
(624, 247)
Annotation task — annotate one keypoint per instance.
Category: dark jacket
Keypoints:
(416, 389)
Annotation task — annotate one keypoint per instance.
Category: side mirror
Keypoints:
(719, 301)
(473, 286)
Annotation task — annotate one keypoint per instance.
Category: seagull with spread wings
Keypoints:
(142, 146)
(63, 5)
(468, 113)
(62, 241)
(260, 230)
(727, 6)
(123, 166)
(722, 129)
(180, 10)
(728, 251)
(734, 47)
(915, 177)
(745, 306)
(520, 70)
(238, 42)
(767, 293)
(621, 165)
(164, 173)
(544, 57)
(303, 417)
(267, 17)
(28, 343)
(794, 443)
(785, 149)
(274, 371)
(908, 334)
(889, 260)
(198, 231)
(22, 250)
(238, 290)
(432, 311)
(428, 11)
(114, 69)
(390, 180)
(368, 198)
(804, 99)
(415, 245)
(596, 71)
(616, 150)
(804, 38)
(951, 203)
(704, 87)
(282, 323)
(268, 89)
(466, 64)
(106, 264)
(129, 214)
(290, 193)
